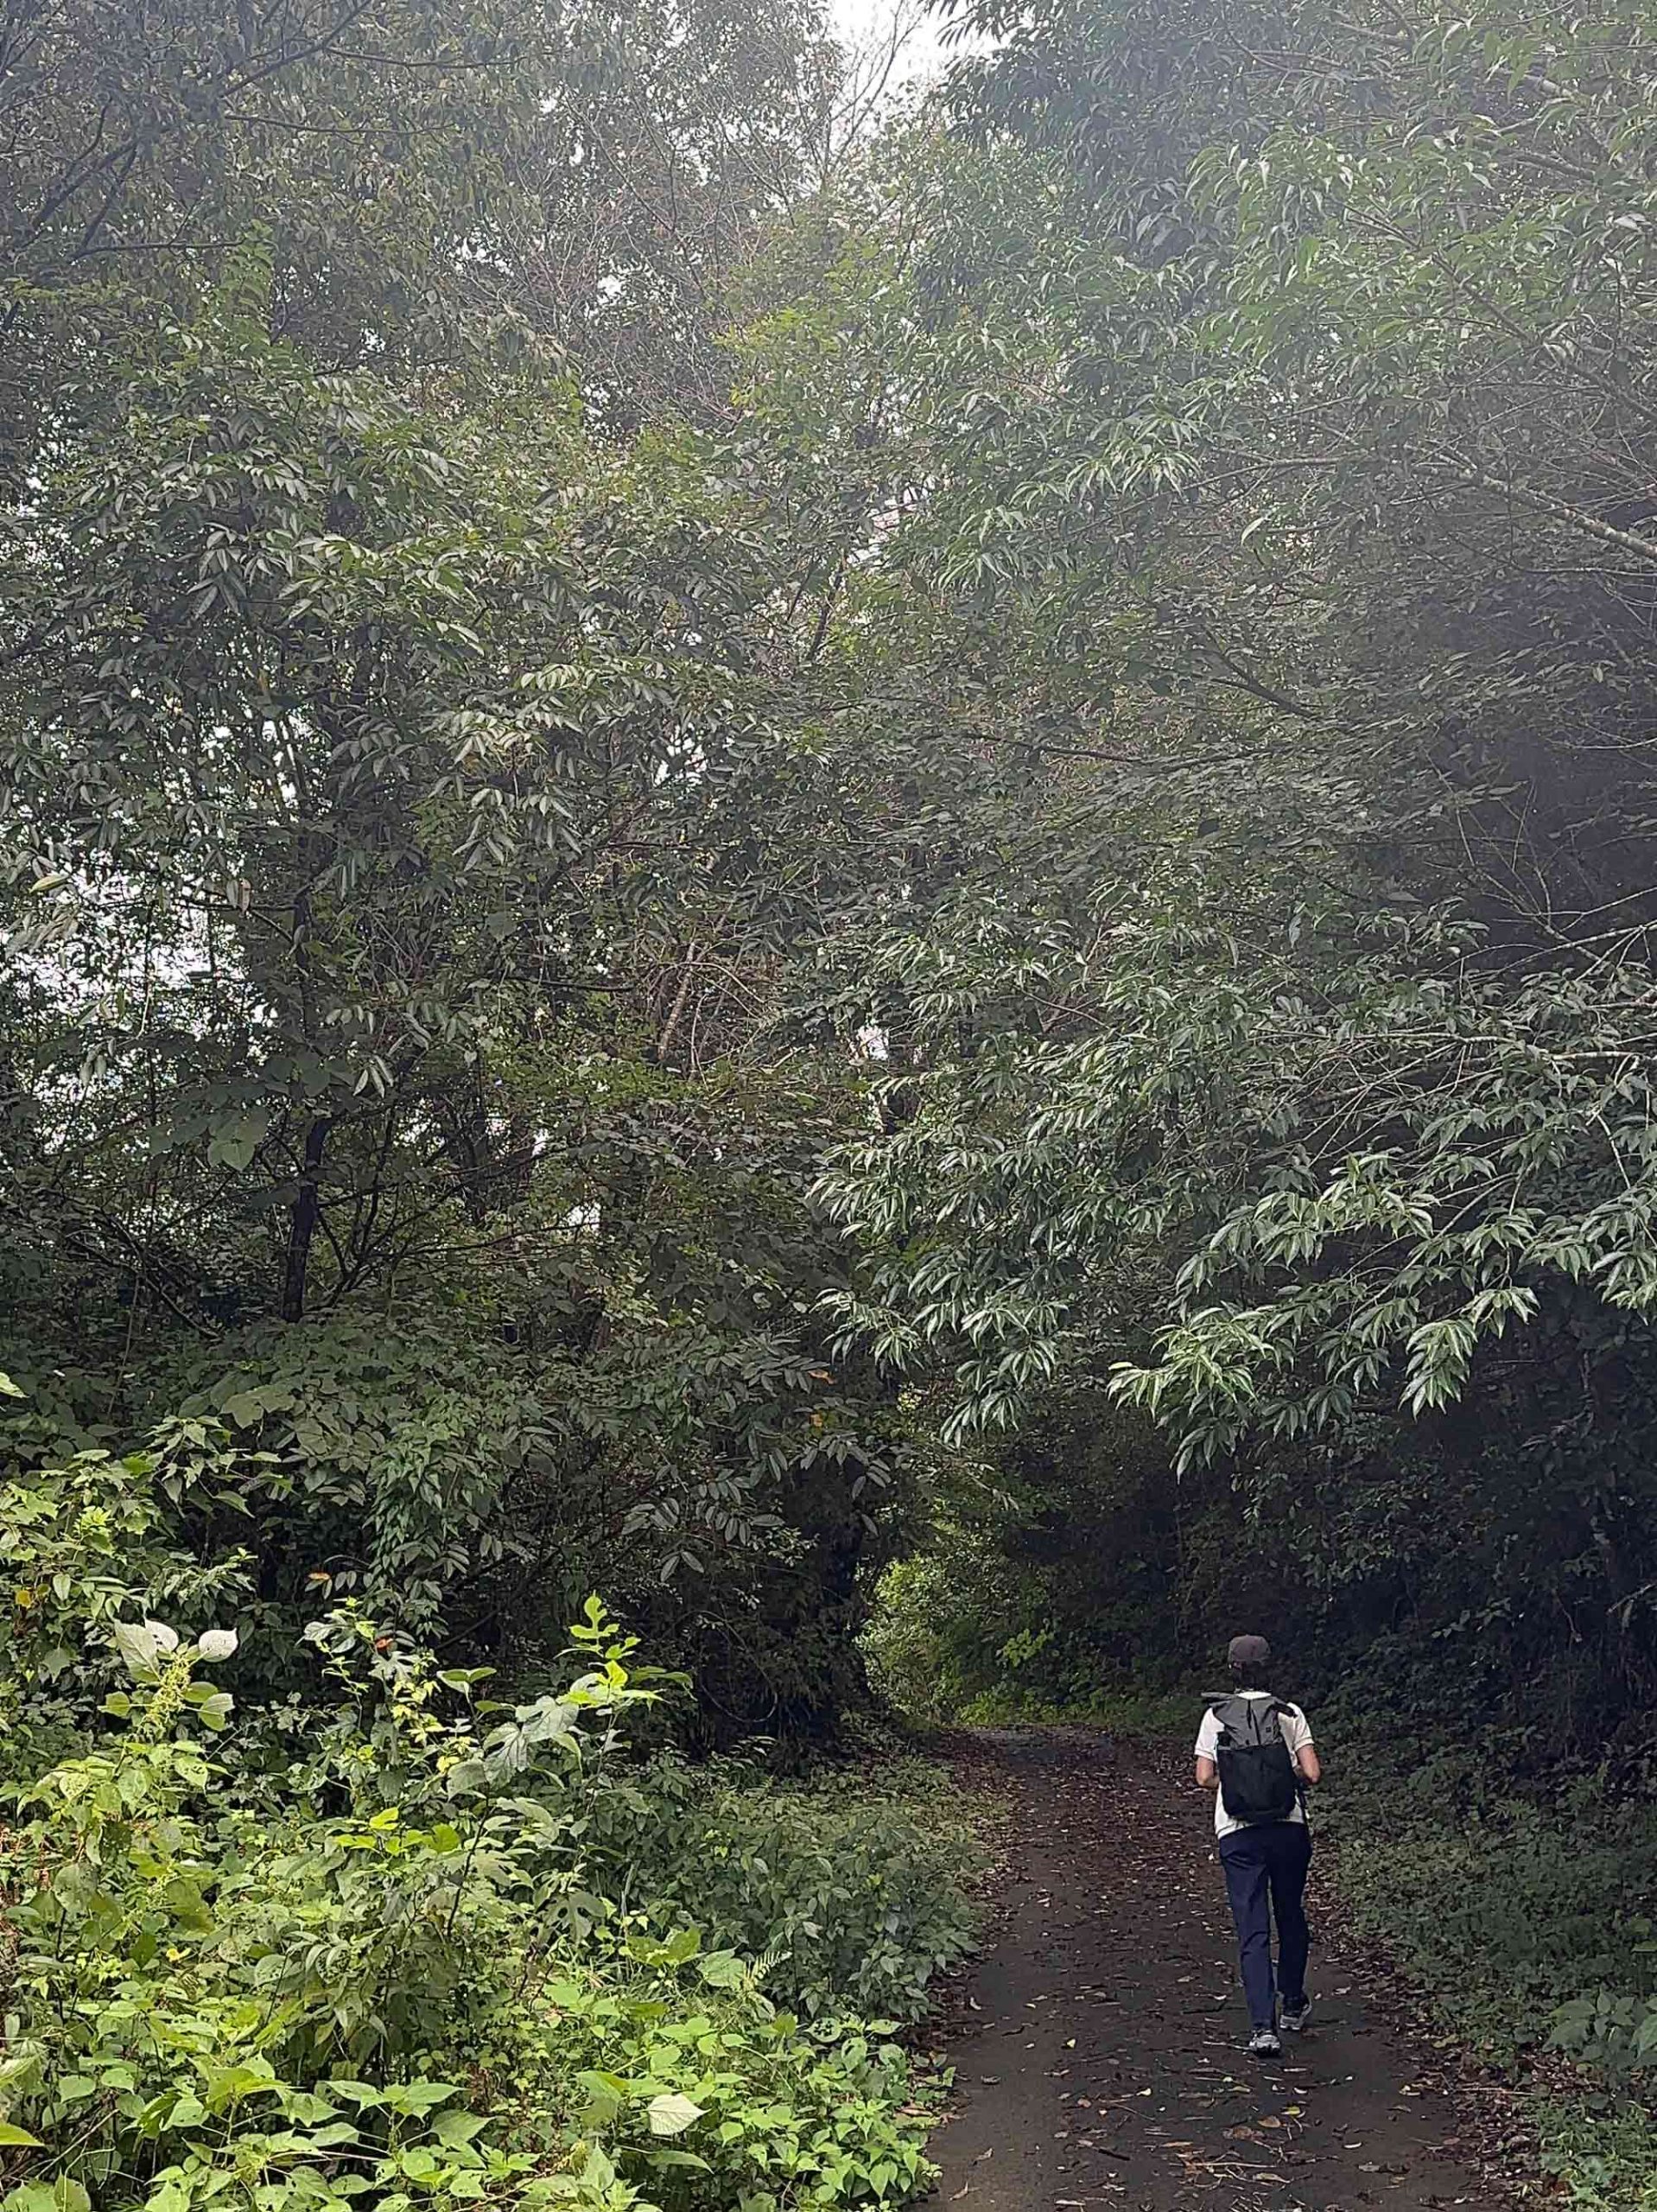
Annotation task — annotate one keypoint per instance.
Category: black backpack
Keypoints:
(1257, 1776)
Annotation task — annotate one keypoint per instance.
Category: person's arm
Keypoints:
(1305, 1758)
(1207, 1743)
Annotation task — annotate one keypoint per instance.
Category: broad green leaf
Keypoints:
(672, 2113)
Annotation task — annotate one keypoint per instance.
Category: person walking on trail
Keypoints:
(1255, 1753)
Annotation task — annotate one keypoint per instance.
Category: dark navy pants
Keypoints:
(1265, 1874)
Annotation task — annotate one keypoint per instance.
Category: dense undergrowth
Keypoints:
(1523, 1913)
(405, 1943)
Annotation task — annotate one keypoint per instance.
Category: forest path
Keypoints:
(1099, 2062)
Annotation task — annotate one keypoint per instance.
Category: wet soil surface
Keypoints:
(1098, 2045)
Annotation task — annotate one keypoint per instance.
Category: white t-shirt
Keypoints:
(1296, 1734)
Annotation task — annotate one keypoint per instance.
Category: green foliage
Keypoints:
(446, 1948)
(757, 2106)
(1274, 1060)
(1278, 1056)
(965, 1634)
(1603, 2152)
(407, 742)
(1511, 1910)
(604, 971)
(84, 1547)
(1069, 1577)
(1522, 1919)
(850, 1895)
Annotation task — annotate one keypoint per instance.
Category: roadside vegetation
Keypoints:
(398, 1940)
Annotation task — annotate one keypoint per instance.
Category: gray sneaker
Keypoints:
(1264, 2043)
(1295, 2017)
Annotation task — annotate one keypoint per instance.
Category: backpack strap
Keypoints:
(1302, 1795)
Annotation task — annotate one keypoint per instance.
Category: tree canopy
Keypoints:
(701, 826)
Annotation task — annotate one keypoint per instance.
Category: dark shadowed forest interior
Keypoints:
(860, 884)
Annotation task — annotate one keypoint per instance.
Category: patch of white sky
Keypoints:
(900, 47)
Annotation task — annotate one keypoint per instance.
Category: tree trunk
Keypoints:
(302, 1227)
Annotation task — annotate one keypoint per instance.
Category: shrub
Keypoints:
(1510, 1909)
(1526, 1923)
(850, 1897)
(447, 1956)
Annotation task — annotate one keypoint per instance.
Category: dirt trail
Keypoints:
(1100, 2062)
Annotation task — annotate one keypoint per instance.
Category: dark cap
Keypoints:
(1248, 1652)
